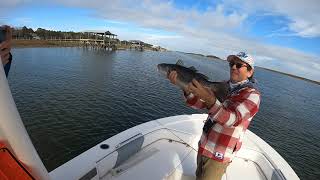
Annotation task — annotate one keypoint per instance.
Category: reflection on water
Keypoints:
(71, 99)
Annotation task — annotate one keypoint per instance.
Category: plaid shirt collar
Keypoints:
(234, 85)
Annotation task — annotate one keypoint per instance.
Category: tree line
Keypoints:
(43, 34)
(40, 33)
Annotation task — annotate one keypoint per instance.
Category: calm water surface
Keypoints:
(71, 99)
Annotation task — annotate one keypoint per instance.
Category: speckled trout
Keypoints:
(186, 74)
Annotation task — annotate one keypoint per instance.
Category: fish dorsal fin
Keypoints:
(179, 62)
(204, 76)
(193, 69)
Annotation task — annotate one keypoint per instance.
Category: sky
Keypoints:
(282, 35)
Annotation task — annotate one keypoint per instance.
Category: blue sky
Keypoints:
(281, 35)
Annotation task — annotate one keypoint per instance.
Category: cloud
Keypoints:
(6, 7)
(152, 37)
(305, 28)
(14, 3)
(215, 30)
(155, 14)
(23, 21)
(302, 16)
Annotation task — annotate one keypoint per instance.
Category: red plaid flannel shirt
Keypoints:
(233, 117)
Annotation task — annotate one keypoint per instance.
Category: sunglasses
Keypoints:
(238, 65)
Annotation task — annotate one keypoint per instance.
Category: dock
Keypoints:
(93, 40)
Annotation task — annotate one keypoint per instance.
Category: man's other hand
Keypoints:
(5, 46)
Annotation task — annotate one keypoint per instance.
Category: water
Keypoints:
(71, 99)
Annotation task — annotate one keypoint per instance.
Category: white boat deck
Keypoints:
(172, 160)
(166, 149)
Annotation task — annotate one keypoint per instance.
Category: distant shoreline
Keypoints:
(201, 55)
(56, 43)
(47, 43)
(291, 75)
(40, 43)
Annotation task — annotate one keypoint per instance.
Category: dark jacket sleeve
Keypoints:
(8, 65)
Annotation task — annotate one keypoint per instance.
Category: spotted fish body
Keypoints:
(185, 76)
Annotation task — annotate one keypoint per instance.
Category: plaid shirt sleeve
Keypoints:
(236, 108)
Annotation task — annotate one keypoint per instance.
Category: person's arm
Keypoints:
(8, 65)
(245, 107)
(5, 48)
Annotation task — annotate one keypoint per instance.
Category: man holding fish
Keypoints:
(229, 113)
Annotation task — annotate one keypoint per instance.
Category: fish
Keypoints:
(185, 75)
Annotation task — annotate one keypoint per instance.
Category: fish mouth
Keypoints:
(161, 69)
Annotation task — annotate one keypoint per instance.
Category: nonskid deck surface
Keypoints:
(166, 159)
(167, 149)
